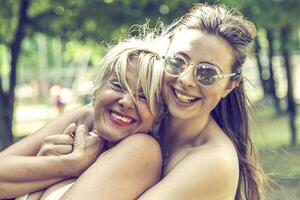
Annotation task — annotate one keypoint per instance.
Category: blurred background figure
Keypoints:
(56, 97)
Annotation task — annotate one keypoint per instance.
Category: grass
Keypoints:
(280, 161)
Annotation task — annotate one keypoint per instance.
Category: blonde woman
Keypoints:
(125, 107)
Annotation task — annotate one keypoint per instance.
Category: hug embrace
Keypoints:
(168, 121)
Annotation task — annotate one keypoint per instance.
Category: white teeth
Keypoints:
(184, 98)
(119, 117)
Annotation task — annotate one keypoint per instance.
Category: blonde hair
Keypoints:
(146, 54)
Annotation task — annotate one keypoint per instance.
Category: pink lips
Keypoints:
(118, 121)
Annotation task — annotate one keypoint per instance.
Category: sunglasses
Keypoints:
(205, 74)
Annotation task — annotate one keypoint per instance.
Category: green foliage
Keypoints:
(8, 20)
(273, 14)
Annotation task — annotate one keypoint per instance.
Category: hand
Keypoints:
(59, 144)
(86, 148)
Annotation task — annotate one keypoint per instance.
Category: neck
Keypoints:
(179, 132)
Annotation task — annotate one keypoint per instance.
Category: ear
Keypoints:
(231, 85)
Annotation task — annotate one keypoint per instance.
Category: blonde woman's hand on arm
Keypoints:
(55, 145)
(21, 171)
(122, 172)
(59, 144)
(86, 144)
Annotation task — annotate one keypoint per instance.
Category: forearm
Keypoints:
(31, 168)
(24, 174)
(123, 172)
(15, 189)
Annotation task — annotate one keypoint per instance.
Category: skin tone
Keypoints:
(22, 172)
(123, 116)
(202, 162)
(191, 136)
(196, 47)
(117, 115)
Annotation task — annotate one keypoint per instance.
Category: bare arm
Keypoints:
(206, 174)
(123, 172)
(22, 171)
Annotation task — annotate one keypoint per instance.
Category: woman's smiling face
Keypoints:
(183, 96)
(117, 114)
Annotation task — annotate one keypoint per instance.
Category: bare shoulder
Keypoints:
(209, 171)
(213, 170)
(218, 158)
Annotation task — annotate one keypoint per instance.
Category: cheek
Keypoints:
(213, 95)
(146, 117)
(102, 100)
(97, 107)
(168, 81)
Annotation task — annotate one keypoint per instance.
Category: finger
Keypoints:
(63, 149)
(80, 136)
(97, 137)
(70, 130)
(57, 150)
(59, 139)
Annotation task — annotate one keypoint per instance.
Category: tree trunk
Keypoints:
(7, 98)
(276, 101)
(5, 137)
(264, 81)
(285, 34)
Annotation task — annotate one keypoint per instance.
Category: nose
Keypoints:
(127, 102)
(186, 78)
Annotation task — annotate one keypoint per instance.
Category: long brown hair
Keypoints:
(231, 112)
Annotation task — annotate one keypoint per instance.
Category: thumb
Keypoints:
(80, 136)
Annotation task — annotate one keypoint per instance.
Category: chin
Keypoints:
(178, 114)
(115, 137)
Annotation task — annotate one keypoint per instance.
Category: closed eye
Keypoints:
(142, 97)
(115, 85)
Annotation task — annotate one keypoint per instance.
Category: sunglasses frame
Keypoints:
(219, 73)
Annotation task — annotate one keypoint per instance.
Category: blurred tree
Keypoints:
(283, 20)
(256, 11)
(87, 21)
(291, 105)
(13, 41)
(271, 81)
(98, 20)
(264, 81)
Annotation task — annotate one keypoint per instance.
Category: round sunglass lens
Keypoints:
(206, 75)
(174, 66)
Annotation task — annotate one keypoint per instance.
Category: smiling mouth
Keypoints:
(120, 119)
(185, 98)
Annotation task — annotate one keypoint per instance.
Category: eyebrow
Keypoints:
(187, 57)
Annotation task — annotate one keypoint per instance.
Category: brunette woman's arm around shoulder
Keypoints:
(22, 172)
(123, 172)
(209, 173)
